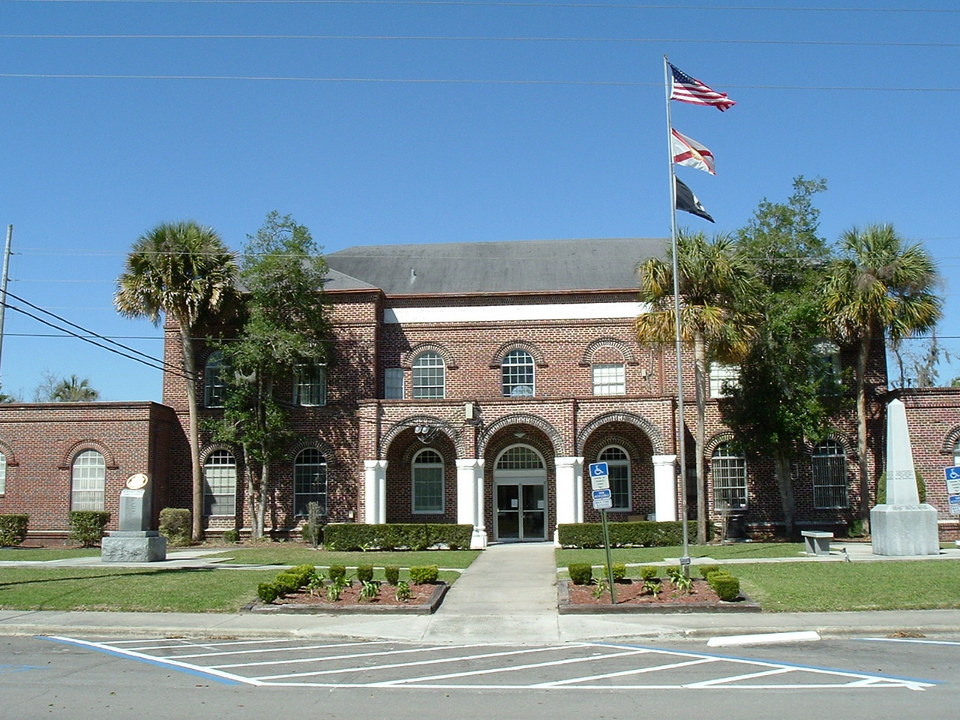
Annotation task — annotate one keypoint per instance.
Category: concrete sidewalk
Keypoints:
(508, 595)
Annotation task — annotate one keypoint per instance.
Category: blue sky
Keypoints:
(400, 122)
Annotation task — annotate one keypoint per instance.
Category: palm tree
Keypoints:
(74, 389)
(717, 291)
(184, 271)
(879, 287)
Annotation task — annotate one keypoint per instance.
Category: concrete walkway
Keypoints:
(508, 595)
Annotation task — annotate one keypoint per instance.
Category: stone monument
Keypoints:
(903, 526)
(134, 541)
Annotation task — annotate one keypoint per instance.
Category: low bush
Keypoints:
(580, 573)
(348, 537)
(312, 534)
(287, 583)
(619, 571)
(13, 529)
(726, 586)
(365, 573)
(642, 533)
(267, 592)
(87, 526)
(424, 574)
(231, 536)
(392, 573)
(648, 572)
(304, 573)
(337, 572)
(176, 526)
(705, 570)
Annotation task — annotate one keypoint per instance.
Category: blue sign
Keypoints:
(601, 469)
(602, 500)
(601, 494)
(952, 474)
(954, 504)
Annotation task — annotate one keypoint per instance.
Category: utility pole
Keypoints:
(3, 284)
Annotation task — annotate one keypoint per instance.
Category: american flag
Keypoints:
(690, 90)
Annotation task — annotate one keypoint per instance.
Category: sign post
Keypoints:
(602, 500)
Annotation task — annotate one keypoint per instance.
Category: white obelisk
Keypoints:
(903, 526)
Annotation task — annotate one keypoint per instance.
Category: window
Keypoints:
(618, 470)
(310, 385)
(309, 481)
(393, 383)
(829, 475)
(609, 379)
(721, 375)
(956, 453)
(3, 473)
(220, 484)
(518, 374)
(428, 482)
(729, 478)
(89, 475)
(826, 356)
(214, 389)
(519, 457)
(428, 375)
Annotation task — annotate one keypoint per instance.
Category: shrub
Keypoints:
(882, 488)
(305, 574)
(395, 536)
(312, 534)
(648, 572)
(392, 573)
(624, 534)
(13, 529)
(674, 572)
(231, 536)
(365, 573)
(424, 574)
(727, 587)
(337, 572)
(175, 526)
(267, 592)
(287, 583)
(580, 573)
(705, 570)
(619, 571)
(87, 526)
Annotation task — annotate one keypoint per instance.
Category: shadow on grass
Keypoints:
(104, 575)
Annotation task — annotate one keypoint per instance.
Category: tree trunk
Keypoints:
(264, 485)
(781, 467)
(700, 381)
(863, 353)
(196, 476)
(252, 495)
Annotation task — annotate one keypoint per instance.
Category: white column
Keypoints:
(665, 487)
(470, 500)
(569, 490)
(375, 491)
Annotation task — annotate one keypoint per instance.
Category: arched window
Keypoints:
(519, 374)
(519, 457)
(310, 384)
(214, 388)
(88, 478)
(729, 469)
(309, 481)
(3, 474)
(220, 484)
(956, 453)
(429, 375)
(829, 463)
(427, 472)
(618, 470)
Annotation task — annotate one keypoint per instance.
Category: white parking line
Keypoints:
(351, 656)
(624, 673)
(280, 649)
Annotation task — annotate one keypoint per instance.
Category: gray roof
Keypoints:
(494, 267)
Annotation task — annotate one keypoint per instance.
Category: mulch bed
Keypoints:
(631, 597)
(424, 600)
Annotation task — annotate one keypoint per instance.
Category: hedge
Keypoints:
(87, 526)
(395, 536)
(643, 533)
(13, 529)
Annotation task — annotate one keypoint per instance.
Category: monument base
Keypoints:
(127, 546)
(902, 530)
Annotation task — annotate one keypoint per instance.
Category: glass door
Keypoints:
(521, 511)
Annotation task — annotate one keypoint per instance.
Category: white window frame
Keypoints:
(618, 470)
(609, 379)
(420, 484)
(729, 471)
(310, 385)
(428, 375)
(393, 383)
(309, 481)
(3, 474)
(518, 374)
(214, 388)
(88, 479)
(828, 461)
(828, 354)
(220, 484)
(723, 374)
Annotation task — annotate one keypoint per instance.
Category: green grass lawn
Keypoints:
(735, 551)
(18, 554)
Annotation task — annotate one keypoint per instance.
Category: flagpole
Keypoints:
(681, 449)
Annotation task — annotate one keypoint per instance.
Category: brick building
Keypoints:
(471, 383)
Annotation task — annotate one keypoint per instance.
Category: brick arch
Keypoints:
(207, 450)
(411, 422)
(66, 460)
(559, 448)
(848, 444)
(8, 454)
(535, 352)
(950, 441)
(406, 360)
(715, 441)
(644, 425)
(325, 448)
(624, 348)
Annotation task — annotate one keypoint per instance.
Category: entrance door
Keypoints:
(521, 510)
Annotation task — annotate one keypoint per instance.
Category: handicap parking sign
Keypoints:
(952, 475)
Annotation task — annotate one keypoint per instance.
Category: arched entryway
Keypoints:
(520, 495)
